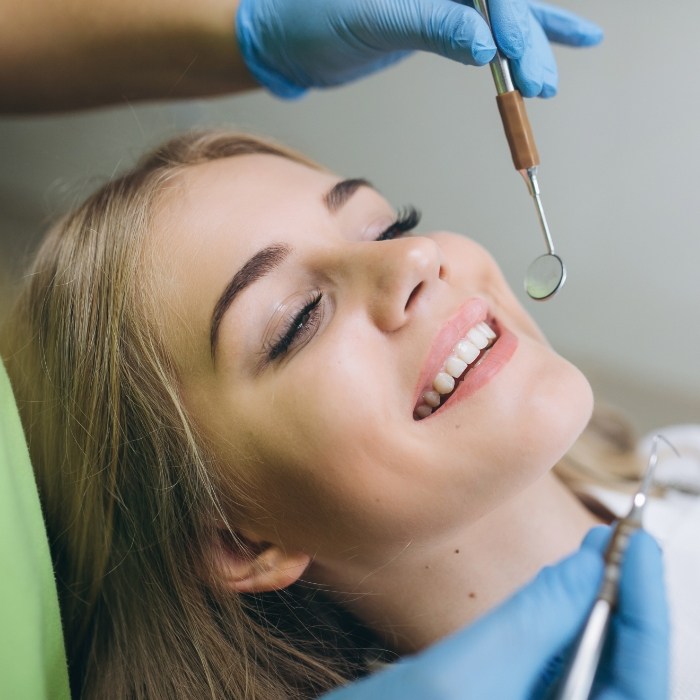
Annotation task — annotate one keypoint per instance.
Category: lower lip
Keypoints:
(482, 373)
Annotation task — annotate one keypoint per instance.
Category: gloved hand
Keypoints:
(290, 46)
(517, 650)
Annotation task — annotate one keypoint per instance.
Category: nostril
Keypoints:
(413, 295)
(442, 273)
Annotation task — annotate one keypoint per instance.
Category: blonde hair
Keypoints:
(129, 491)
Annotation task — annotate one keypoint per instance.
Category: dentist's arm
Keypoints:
(69, 54)
(518, 650)
(58, 55)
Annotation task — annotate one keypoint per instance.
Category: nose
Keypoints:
(392, 277)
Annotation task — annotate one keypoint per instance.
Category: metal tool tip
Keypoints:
(648, 479)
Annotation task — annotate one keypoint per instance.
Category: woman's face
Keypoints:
(305, 347)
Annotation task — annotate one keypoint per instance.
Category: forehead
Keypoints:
(247, 185)
(239, 204)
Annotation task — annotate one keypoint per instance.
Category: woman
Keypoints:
(237, 379)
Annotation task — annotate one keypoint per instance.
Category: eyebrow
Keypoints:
(342, 191)
(271, 257)
(262, 263)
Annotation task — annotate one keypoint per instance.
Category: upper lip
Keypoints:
(454, 329)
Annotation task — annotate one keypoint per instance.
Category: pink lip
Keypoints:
(469, 314)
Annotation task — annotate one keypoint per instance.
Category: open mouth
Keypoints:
(465, 355)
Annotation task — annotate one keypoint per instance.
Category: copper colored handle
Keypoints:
(518, 130)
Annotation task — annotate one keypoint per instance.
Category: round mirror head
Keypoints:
(545, 276)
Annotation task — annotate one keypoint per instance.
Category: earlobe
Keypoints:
(249, 566)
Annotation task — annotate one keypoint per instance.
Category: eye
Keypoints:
(301, 326)
(406, 220)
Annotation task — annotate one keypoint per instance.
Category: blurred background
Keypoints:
(618, 176)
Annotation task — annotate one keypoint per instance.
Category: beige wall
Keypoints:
(620, 184)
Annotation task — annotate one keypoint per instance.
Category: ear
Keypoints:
(247, 564)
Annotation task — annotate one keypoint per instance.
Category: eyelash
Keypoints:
(302, 325)
(306, 320)
(406, 220)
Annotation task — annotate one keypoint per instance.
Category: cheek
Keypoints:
(340, 469)
(324, 464)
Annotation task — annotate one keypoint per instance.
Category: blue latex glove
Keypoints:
(517, 651)
(292, 45)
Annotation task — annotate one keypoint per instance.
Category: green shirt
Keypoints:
(32, 655)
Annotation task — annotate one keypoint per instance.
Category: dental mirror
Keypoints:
(545, 276)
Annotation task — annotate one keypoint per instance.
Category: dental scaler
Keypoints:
(546, 274)
(578, 678)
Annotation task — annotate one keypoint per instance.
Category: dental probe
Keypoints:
(546, 274)
(578, 679)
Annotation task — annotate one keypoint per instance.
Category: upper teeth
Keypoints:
(464, 353)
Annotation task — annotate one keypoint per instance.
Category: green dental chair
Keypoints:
(32, 656)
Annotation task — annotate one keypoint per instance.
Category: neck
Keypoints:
(430, 591)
